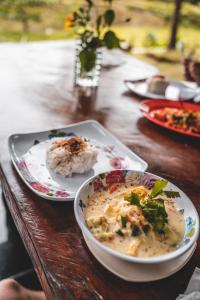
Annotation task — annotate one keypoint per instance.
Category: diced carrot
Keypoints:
(113, 187)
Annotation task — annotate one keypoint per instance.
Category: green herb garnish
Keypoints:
(155, 213)
(172, 194)
(134, 199)
(124, 221)
(158, 187)
(146, 228)
(135, 230)
(153, 207)
(119, 232)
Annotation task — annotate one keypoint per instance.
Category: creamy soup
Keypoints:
(132, 221)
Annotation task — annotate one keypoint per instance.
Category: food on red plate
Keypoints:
(184, 119)
(157, 84)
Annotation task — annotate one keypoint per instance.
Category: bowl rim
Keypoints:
(150, 260)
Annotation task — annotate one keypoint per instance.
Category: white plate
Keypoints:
(175, 91)
(28, 154)
(135, 272)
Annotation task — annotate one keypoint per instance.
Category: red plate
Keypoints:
(148, 106)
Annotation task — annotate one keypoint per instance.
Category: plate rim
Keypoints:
(192, 250)
(13, 155)
(152, 95)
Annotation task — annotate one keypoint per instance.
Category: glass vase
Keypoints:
(87, 79)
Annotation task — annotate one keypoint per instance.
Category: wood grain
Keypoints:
(36, 94)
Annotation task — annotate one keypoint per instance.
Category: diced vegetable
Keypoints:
(119, 232)
(135, 230)
(134, 247)
(146, 228)
(124, 221)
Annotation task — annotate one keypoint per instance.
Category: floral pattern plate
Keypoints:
(28, 154)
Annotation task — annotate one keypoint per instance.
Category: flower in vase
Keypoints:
(69, 22)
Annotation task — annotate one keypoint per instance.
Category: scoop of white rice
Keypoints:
(71, 155)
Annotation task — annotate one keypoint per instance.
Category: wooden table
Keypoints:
(35, 84)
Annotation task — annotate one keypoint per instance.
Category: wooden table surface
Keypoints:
(35, 94)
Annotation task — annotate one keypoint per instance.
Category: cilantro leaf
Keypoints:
(124, 221)
(158, 187)
(135, 230)
(119, 232)
(150, 214)
(153, 208)
(146, 228)
(172, 194)
(155, 213)
(159, 223)
(134, 199)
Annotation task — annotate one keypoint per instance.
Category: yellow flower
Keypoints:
(69, 22)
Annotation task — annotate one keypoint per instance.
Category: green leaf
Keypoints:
(159, 223)
(111, 40)
(98, 22)
(172, 194)
(135, 230)
(94, 43)
(146, 228)
(119, 232)
(81, 9)
(89, 2)
(109, 17)
(124, 221)
(158, 187)
(150, 214)
(87, 59)
(76, 16)
(134, 199)
(155, 213)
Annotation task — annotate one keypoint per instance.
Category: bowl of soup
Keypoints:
(136, 216)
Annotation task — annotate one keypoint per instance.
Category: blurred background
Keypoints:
(162, 33)
(155, 27)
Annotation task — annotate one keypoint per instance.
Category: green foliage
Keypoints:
(109, 17)
(92, 37)
(151, 40)
(111, 40)
(20, 10)
(195, 2)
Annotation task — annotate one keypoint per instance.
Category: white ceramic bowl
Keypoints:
(183, 203)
